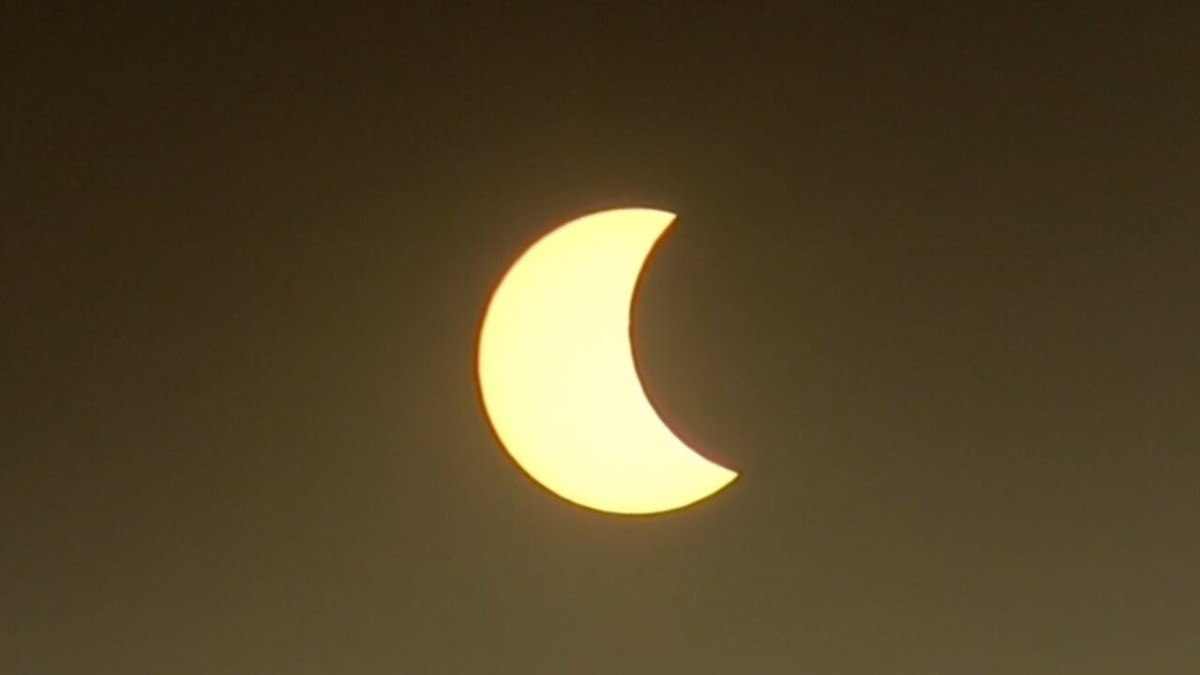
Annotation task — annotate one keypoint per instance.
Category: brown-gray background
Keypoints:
(934, 290)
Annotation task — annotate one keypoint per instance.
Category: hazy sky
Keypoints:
(934, 290)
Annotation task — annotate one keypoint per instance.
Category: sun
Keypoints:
(558, 378)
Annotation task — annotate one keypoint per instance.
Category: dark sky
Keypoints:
(934, 289)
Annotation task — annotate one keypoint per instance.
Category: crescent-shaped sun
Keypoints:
(558, 378)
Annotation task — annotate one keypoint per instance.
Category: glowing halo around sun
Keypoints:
(558, 379)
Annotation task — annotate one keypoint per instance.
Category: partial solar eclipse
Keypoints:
(558, 379)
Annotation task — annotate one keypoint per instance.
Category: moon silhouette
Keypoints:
(558, 379)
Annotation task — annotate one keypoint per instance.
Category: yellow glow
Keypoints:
(558, 379)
